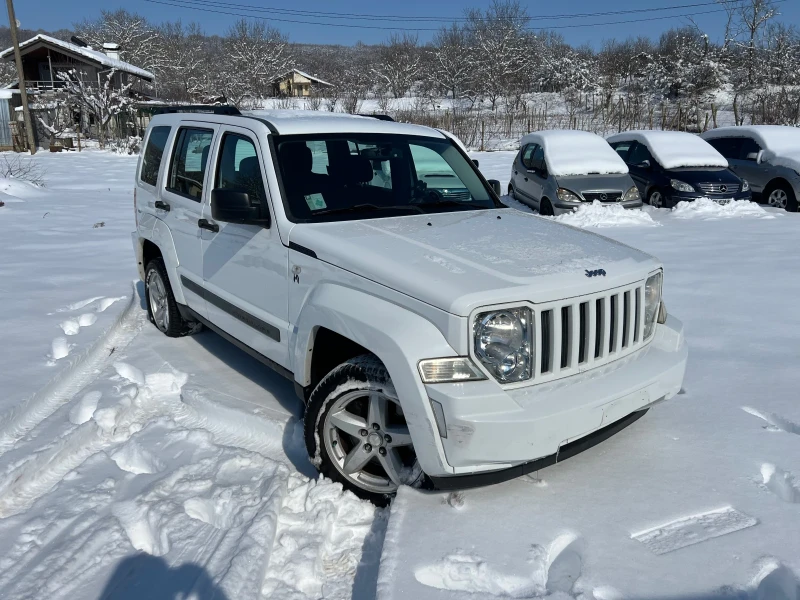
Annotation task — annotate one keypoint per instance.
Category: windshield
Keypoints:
(361, 176)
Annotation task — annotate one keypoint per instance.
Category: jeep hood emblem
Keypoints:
(596, 273)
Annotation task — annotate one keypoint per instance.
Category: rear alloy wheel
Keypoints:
(782, 196)
(161, 305)
(655, 199)
(363, 438)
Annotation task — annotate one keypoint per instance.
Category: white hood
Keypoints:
(462, 260)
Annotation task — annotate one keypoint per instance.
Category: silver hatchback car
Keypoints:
(557, 171)
(767, 156)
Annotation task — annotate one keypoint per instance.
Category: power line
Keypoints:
(408, 18)
(194, 5)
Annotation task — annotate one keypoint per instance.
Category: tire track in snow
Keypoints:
(21, 419)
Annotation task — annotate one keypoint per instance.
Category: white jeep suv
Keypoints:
(435, 336)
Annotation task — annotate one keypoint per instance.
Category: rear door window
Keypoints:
(189, 162)
(153, 152)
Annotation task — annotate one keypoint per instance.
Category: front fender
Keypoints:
(397, 336)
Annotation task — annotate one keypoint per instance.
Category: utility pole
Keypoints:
(26, 113)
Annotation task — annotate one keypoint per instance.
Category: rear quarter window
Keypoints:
(153, 153)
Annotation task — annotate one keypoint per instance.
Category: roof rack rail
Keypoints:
(198, 108)
(379, 117)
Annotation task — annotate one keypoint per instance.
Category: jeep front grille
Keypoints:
(581, 333)
(716, 188)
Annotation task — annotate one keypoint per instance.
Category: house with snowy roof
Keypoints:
(297, 83)
(43, 58)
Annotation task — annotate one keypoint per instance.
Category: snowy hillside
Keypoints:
(138, 466)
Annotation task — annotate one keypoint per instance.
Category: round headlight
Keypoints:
(502, 343)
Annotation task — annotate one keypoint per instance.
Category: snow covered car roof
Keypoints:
(675, 149)
(576, 153)
(86, 52)
(781, 143)
(298, 122)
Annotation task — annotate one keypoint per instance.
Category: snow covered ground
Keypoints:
(137, 466)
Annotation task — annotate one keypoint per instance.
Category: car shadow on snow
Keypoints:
(145, 576)
(273, 384)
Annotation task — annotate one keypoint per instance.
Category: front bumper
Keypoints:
(561, 208)
(672, 197)
(487, 428)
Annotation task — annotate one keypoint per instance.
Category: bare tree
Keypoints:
(754, 14)
(500, 42)
(398, 64)
(102, 103)
(254, 54)
(137, 38)
(451, 60)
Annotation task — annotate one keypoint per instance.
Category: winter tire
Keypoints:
(780, 195)
(655, 199)
(356, 433)
(161, 306)
(545, 208)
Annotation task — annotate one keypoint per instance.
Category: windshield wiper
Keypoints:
(365, 208)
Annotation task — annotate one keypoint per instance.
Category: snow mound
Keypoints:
(705, 209)
(320, 534)
(576, 153)
(675, 149)
(598, 215)
(16, 190)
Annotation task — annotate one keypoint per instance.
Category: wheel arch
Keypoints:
(161, 240)
(398, 337)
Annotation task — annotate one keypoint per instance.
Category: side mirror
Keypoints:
(496, 187)
(233, 206)
(475, 162)
(645, 164)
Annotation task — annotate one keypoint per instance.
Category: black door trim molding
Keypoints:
(236, 312)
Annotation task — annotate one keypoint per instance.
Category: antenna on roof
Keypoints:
(78, 41)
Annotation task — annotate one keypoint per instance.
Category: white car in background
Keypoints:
(768, 156)
(557, 171)
(433, 339)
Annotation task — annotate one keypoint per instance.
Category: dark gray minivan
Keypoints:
(557, 171)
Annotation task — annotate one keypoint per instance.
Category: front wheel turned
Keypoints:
(356, 432)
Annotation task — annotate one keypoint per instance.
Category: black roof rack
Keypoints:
(198, 108)
(379, 117)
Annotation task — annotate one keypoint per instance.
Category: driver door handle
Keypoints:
(206, 224)
(160, 204)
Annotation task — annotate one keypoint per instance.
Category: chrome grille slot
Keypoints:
(614, 318)
(581, 333)
(566, 338)
(626, 318)
(599, 326)
(545, 352)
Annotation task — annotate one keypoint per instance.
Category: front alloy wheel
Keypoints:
(656, 199)
(778, 198)
(363, 438)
